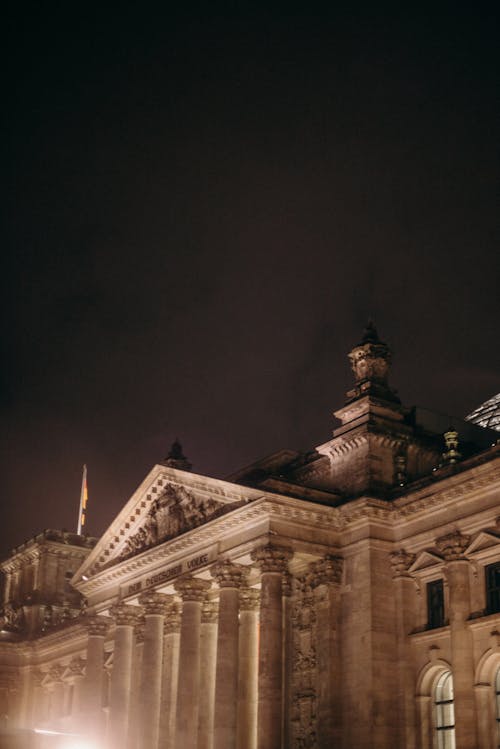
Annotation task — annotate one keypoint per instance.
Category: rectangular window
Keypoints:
(435, 604)
(493, 588)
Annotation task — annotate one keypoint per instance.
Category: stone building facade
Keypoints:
(345, 597)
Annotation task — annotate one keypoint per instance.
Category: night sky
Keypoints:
(204, 206)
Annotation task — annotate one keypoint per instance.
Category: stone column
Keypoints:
(230, 578)
(248, 670)
(287, 658)
(452, 547)
(155, 607)
(134, 727)
(208, 645)
(170, 676)
(326, 576)
(273, 562)
(192, 591)
(404, 586)
(93, 683)
(126, 618)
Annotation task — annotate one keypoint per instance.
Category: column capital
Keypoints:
(77, 666)
(97, 625)
(192, 588)
(327, 571)
(172, 621)
(401, 562)
(155, 603)
(228, 574)
(56, 673)
(453, 545)
(126, 615)
(249, 599)
(209, 612)
(272, 558)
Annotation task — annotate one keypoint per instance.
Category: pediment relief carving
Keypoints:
(176, 511)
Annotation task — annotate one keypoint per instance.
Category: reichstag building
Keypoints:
(347, 597)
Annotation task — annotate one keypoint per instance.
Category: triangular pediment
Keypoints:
(484, 540)
(168, 503)
(425, 560)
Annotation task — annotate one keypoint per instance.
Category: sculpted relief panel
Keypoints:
(175, 511)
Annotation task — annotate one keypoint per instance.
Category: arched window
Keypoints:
(497, 704)
(444, 711)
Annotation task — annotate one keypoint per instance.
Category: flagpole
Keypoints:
(83, 502)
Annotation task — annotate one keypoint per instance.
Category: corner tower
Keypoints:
(377, 446)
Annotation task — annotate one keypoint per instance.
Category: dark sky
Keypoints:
(202, 209)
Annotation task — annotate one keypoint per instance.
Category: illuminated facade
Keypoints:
(345, 597)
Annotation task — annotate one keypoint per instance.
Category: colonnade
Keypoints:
(202, 677)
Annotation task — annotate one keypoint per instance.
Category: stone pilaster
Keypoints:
(325, 579)
(230, 578)
(97, 627)
(192, 591)
(155, 607)
(248, 669)
(273, 562)
(171, 632)
(208, 642)
(452, 547)
(404, 586)
(126, 618)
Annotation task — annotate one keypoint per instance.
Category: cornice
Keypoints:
(458, 486)
(268, 506)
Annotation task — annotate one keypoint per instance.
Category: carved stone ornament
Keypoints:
(271, 558)
(401, 562)
(56, 673)
(155, 603)
(97, 626)
(77, 666)
(172, 621)
(229, 575)
(249, 599)
(126, 615)
(192, 588)
(453, 545)
(209, 612)
(327, 571)
(174, 512)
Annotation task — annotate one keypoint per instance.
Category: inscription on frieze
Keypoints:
(181, 567)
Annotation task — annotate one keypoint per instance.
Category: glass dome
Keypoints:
(487, 414)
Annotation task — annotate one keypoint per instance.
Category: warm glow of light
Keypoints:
(73, 740)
